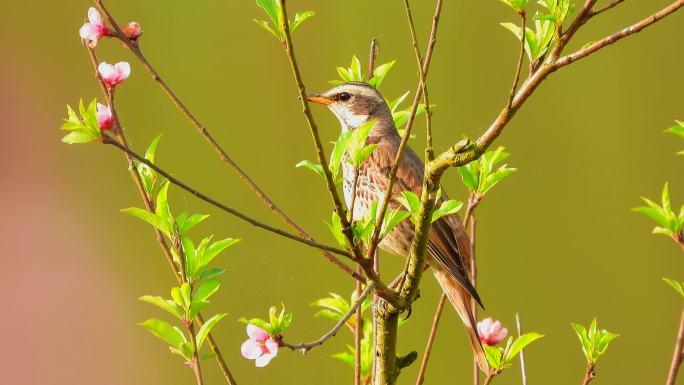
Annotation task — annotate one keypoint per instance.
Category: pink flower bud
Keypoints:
(114, 74)
(260, 346)
(104, 117)
(132, 31)
(491, 332)
(94, 29)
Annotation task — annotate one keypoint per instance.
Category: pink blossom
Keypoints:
(104, 117)
(491, 332)
(94, 29)
(114, 74)
(260, 346)
(132, 31)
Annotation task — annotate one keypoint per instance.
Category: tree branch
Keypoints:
(431, 339)
(306, 347)
(109, 140)
(678, 354)
(372, 55)
(521, 58)
(523, 371)
(589, 374)
(149, 205)
(606, 7)
(222, 154)
(407, 134)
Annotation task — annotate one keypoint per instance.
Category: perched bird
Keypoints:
(355, 104)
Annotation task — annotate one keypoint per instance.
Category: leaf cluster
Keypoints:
(669, 222)
(278, 321)
(594, 341)
(501, 358)
(677, 130)
(83, 129)
(275, 24)
(483, 174)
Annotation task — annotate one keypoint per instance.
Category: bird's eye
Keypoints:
(344, 96)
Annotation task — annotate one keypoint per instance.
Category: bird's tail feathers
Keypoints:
(461, 302)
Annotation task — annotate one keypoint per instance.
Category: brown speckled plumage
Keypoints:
(449, 247)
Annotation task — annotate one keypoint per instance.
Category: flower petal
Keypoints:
(256, 333)
(271, 346)
(123, 69)
(264, 360)
(94, 16)
(250, 350)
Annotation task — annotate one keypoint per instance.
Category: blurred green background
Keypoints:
(557, 241)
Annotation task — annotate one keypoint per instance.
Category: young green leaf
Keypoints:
(519, 344)
(299, 18)
(379, 74)
(150, 218)
(678, 286)
(164, 304)
(273, 10)
(84, 129)
(594, 341)
(315, 167)
(204, 331)
(206, 289)
(162, 330)
(447, 208)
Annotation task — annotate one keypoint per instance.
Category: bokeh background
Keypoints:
(557, 241)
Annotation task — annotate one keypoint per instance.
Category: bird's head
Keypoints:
(354, 104)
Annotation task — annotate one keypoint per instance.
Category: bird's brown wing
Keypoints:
(448, 243)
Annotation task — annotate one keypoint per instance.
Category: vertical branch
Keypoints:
(387, 371)
(523, 371)
(473, 280)
(358, 331)
(372, 55)
(678, 355)
(196, 368)
(431, 339)
(521, 58)
(589, 374)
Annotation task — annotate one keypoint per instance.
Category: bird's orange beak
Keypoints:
(318, 99)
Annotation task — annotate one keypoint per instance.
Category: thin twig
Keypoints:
(472, 204)
(521, 58)
(489, 379)
(109, 140)
(358, 331)
(523, 371)
(473, 280)
(431, 339)
(222, 154)
(372, 55)
(313, 128)
(407, 134)
(606, 7)
(678, 354)
(589, 374)
(306, 347)
(149, 205)
(195, 364)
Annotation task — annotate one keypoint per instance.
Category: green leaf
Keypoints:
(186, 294)
(299, 19)
(164, 304)
(206, 290)
(214, 250)
(447, 208)
(272, 9)
(394, 104)
(162, 330)
(162, 209)
(411, 201)
(355, 69)
(395, 217)
(519, 344)
(196, 308)
(341, 146)
(78, 137)
(379, 73)
(206, 328)
(494, 356)
(517, 5)
(315, 167)
(678, 286)
(185, 222)
(265, 25)
(335, 227)
(211, 273)
(150, 218)
(258, 322)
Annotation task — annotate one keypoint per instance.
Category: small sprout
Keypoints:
(147, 174)
(411, 202)
(274, 10)
(277, 321)
(83, 129)
(594, 342)
(517, 5)
(94, 29)
(558, 10)
(482, 175)
(669, 222)
(354, 73)
(537, 41)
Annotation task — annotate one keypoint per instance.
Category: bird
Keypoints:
(355, 104)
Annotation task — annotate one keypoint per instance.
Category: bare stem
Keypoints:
(195, 364)
(358, 333)
(431, 339)
(489, 379)
(589, 374)
(305, 347)
(521, 58)
(372, 55)
(473, 280)
(606, 7)
(678, 354)
(523, 371)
